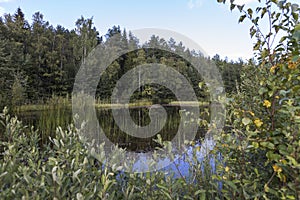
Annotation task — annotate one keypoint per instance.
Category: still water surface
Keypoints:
(47, 120)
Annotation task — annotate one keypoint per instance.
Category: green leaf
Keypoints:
(296, 89)
(291, 197)
(263, 12)
(252, 31)
(296, 35)
(277, 28)
(201, 84)
(3, 174)
(264, 53)
(241, 19)
(273, 156)
(257, 46)
(295, 16)
(255, 145)
(162, 187)
(232, 185)
(232, 6)
(240, 7)
(250, 12)
(56, 142)
(293, 160)
(262, 90)
(258, 9)
(187, 197)
(246, 121)
(199, 192)
(202, 196)
(268, 145)
(167, 194)
(54, 176)
(75, 175)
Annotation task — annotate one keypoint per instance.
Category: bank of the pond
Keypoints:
(40, 107)
(46, 118)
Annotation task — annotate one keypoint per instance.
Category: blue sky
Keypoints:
(208, 23)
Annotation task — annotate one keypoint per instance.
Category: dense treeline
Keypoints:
(39, 60)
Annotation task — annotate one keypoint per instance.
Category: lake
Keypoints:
(47, 120)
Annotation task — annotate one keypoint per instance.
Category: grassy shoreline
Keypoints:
(40, 107)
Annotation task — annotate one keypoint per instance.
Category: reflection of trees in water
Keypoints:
(47, 121)
(141, 117)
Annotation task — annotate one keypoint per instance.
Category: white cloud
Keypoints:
(5, 1)
(194, 4)
(241, 2)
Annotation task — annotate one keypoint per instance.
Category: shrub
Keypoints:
(262, 149)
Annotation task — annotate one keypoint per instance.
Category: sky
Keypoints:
(210, 24)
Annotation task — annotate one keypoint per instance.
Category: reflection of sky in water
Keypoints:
(181, 165)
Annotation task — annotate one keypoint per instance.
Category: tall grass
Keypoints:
(56, 112)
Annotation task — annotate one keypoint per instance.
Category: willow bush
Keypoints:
(64, 168)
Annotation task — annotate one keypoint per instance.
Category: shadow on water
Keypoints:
(47, 120)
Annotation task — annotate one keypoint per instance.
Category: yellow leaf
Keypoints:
(267, 103)
(258, 123)
(277, 169)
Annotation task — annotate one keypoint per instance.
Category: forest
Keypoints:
(245, 145)
(39, 61)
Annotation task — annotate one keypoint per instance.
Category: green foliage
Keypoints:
(231, 73)
(66, 169)
(49, 57)
(260, 146)
(18, 93)
(261, 149)
(282, 18)
(62, 170)
(55, 113)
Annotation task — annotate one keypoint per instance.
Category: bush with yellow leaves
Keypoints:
(262, 147)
